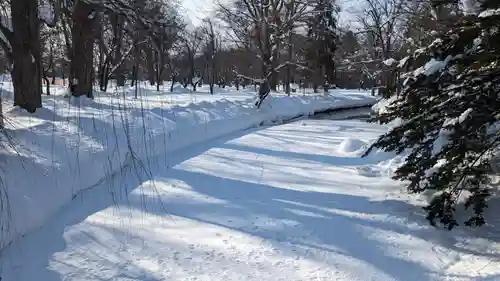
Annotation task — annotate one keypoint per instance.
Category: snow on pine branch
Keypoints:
(390, 62)
(432, 66)
(489, 13)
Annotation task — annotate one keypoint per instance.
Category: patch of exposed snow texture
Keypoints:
(419, 51)
(477, 42)
(430, 172)
(464, 115)
(390, 62)
(432, 66)
(403, 62)
(489, 13)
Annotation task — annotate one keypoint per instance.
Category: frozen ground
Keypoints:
(290, 202)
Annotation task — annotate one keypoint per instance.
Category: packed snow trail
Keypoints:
(291, 202)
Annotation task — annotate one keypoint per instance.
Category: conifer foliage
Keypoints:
(448, 115)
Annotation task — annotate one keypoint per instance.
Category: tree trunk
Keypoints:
(159, 71)
(63, 74)
(26, 55)
(273, 82)
(134, 75)
(82, 64)
(1, 113)
(211, 77)
(47, 83)
(104, 77)
(193, 85)
(117, 24)
(150, 65)
(174, 79)
(289, 67)
(137, 60)
(263, 92)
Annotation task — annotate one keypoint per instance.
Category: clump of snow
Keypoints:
(432, 66)
(489, 13)
(369, 171)
(403, 62)
(419, 51)
(436, 42)
(464, 115)
(351, 145)
(390, 62)
(434, 169)
(382, 104)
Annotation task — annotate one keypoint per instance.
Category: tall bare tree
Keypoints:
(211, 52)
(263, 25)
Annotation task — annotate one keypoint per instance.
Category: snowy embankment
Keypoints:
(76, 144)
(278, 203)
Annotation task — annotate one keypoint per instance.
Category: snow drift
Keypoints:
(75, 144)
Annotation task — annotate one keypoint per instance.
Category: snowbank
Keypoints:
(71, 146)
(382, 163)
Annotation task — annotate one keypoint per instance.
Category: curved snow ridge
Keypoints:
(70, 146)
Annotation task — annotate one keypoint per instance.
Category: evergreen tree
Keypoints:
(322, 35)
(448, 112)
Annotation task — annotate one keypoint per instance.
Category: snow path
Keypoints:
(74, 144)
(279, 203)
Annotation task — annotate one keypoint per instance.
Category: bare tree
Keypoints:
(263, 26)
(383, 25)
(192, 43)
(211, 50)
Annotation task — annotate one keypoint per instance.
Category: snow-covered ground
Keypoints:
(290, 202)
(77, 144)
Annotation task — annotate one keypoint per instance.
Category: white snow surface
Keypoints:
(76, 144)
(268, 203)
